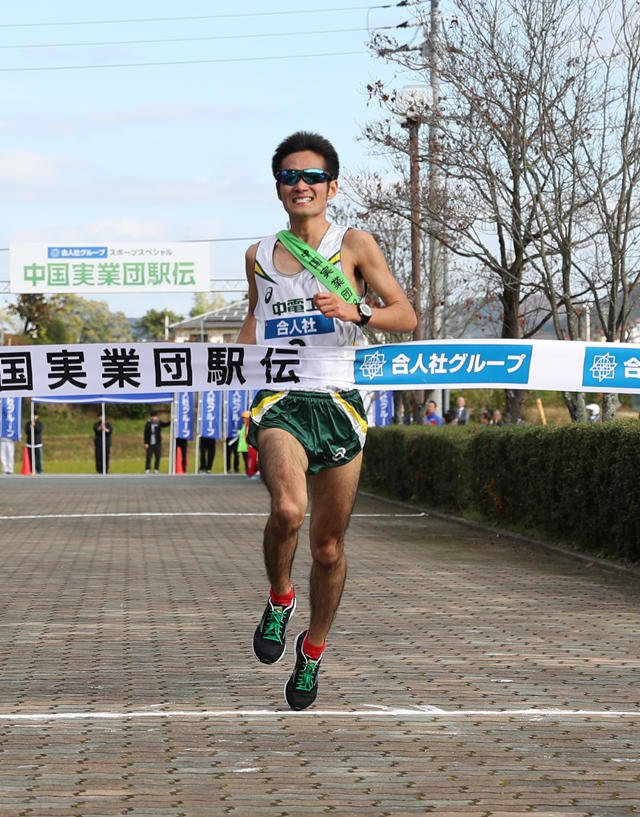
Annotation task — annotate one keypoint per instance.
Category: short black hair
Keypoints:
(305, 140)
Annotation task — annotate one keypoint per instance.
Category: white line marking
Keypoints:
(126, 514)
(432, 713)
(180, 513)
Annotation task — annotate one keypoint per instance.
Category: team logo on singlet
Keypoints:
(298, 326)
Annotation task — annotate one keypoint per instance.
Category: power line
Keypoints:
(181, 62)
(198, 17)
(195, 39)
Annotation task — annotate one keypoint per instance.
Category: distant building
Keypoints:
(218, 326)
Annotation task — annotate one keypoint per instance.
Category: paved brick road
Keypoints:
(467, 675)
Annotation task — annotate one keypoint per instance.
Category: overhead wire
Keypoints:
(181, 62)
(201, 38)
(197, 17)
(194, 39)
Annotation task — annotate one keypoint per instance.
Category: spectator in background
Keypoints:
(431, 418)
(207, 454)
(33, 443)
(153, 441)
(496, 418)
(232, 454)
(102, 443)
(593, 412)
(249, 453)
(7, 454)
(450, 418)
(461, 411)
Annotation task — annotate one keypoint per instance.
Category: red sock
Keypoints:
(283, 600)
(311, 650)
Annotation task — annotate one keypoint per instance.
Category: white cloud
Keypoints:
(28, 176)
(28, 171)
(26, 124)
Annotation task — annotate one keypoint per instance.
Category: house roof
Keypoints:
(228, 316)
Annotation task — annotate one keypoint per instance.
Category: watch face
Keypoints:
(364, 310)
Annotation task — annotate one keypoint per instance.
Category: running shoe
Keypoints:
(270, 637)
(302, 687)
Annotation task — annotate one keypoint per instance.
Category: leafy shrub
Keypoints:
(576, 482)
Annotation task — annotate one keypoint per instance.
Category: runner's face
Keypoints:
(302, 199)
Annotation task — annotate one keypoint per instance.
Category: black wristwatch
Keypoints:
(364, 310)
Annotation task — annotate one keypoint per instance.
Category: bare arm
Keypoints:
(361, 253)
(247, 332)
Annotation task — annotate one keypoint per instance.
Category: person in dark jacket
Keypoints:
(102, 442)
(153, 441)
(33, 442)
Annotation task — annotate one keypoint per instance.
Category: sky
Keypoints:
(172, 141)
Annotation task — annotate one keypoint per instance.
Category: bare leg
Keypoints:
(283, 463)
(333, 493)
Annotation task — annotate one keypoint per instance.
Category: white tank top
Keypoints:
(285, 312)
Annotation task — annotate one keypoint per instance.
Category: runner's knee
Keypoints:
(327, 552)
(287, 515)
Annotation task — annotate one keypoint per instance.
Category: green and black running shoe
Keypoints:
(302, 688)
(270, 637)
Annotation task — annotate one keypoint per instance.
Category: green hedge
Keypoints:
(575, 483)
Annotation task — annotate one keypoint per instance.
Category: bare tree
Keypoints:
(486, 217)
(611, 179)
(585, 179)
(539, 146)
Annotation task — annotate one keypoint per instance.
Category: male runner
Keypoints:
(298, 433)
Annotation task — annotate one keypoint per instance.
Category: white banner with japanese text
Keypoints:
(113, 370)
(109, 268)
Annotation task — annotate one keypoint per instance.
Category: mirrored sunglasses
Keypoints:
(310, 176)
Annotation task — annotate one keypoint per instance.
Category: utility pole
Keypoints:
(412, 125)
(436, 295)
(436, 284)
(414, 102)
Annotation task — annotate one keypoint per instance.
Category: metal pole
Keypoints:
(104, 441)
(32, 435)
(172, 436)
(197, 425)
(225, 431)
(413, 127)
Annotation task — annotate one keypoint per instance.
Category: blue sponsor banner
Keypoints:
(211, 415)
(185, 415)
(383, 407)
(298, 326)
(472, 364)
(236, 404)
(77, 252)
(614, 366)
(11, 410)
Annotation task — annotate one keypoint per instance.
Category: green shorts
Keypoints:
(331, 426)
